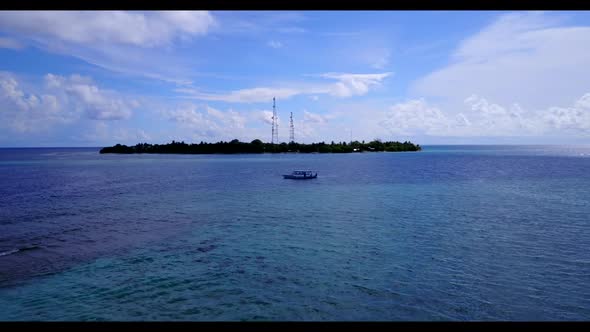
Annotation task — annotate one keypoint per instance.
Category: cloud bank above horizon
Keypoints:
(100, 78)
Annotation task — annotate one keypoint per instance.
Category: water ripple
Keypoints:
(489, 234)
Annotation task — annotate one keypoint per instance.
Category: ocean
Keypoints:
(477, 233)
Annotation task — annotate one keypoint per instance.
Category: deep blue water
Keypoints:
(449, 233)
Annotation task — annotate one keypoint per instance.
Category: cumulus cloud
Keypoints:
(306, 131)
(97, 103)
(229, 119)
(315, 117)
(266, 117)
(506, 80)
(314, 126)
(208, 122)
(202, 122)
(575, 118)
(26, 111)
(61, 100)
(501, 120)
(479, 117)
(147, 29)
(416, 116)
(305, 127)
(187, 115)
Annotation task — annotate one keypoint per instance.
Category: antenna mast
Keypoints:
(275, 124)
(292, 130)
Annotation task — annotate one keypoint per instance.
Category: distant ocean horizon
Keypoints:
(131, 144)
(452, 232)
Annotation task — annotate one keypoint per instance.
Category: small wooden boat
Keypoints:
(301, 175)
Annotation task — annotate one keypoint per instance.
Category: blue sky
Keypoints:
(432, 77)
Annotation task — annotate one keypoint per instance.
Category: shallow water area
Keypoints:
(448, 233)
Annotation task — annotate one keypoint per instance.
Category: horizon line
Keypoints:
(481, 144)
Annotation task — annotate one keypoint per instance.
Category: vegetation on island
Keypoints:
(257, 146)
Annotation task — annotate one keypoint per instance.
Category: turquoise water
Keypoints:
(449, 233)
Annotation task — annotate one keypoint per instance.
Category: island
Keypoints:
(257, 146)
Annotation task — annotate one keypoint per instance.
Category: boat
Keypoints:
(301, 175)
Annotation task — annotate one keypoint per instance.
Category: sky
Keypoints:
(98, 78)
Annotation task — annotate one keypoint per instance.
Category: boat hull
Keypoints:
(297, 177)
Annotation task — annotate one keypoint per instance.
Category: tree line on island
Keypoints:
(257, 146)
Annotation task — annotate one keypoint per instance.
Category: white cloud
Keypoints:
(254, 95)
(575, 118)
(133, 43)
(526, 63)
(479, 117)
(354, 84)
(416, 116)
(347, 85)
(507, 35)
(497, 120)
(207, 123)
(266, 117)
(583, 102)
(187, 115)
(524, 57)
(305, 131)
(97, 103)
(61, 100)
(314, 126)
(229, 119)
(27, 112)
(147, 29)
(99, 106)
(314, 117)
(275, 44)
(306, 127)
